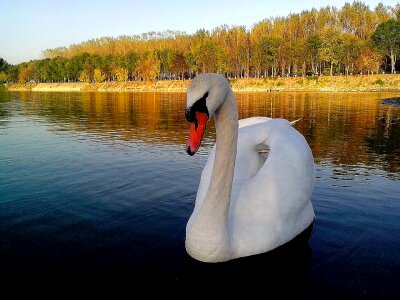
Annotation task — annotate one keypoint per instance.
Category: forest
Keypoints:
(354, 39)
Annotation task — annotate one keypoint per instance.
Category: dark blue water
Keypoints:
(100, 185)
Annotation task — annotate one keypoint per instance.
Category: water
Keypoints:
(100, 184)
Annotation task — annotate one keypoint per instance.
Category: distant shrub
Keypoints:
(326, 72)
(3, 77)
(279, 84)
(316, 78)
(379, 82)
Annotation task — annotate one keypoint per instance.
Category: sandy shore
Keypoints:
(322, 84)
(59, 87)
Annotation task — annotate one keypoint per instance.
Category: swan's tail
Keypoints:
(294, 122)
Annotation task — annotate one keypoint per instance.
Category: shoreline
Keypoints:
(356, 83)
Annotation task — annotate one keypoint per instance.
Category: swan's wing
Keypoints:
(207, 171)
(252, 121)
(274, 197)
(258, 120)
(251, 153)
(289, 149)
(294, 122)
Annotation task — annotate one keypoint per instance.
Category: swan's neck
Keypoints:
(226, 123)
(209, 236)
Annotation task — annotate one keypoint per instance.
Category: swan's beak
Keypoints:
(196, 131)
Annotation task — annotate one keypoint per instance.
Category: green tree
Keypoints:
(351, 48)
(270, 48)
(3, 65)
(72, 69)
(87, 72)
(130, 62)
(299, 49)
(3, 77)
(386, 38)
(210, 58)
(313, 45)
(165, 58)
(44, 70)
(396, 11)
(13, 74)
(331, 48)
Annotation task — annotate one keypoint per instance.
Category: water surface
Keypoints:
(99, 183)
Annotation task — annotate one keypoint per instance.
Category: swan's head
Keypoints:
(206, 93)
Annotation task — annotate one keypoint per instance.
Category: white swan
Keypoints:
(245, 204)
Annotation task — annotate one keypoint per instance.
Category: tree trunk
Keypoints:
(392, 60)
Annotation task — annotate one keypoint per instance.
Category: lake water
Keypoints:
(100, 184)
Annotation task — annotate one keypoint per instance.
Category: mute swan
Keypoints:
(245, 204)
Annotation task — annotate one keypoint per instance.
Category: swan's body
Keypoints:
(247, 204)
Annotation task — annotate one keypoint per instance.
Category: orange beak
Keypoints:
(196, 132)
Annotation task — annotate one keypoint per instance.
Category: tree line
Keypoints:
(354, 39)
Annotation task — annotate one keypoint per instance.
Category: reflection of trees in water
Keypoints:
(385, 140)
(5, 100)
(149, 117)
(342, 128)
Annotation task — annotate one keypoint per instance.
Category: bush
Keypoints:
(3, 77)
(379, 82)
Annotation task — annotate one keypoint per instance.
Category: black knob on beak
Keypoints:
(189, 115)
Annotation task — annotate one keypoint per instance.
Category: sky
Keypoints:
(29, 27)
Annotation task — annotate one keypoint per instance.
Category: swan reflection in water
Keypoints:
(289, 263)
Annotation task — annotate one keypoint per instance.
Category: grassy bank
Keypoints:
(323, 83)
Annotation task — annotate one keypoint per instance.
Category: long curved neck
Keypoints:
(226, 123)
(211, 224)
